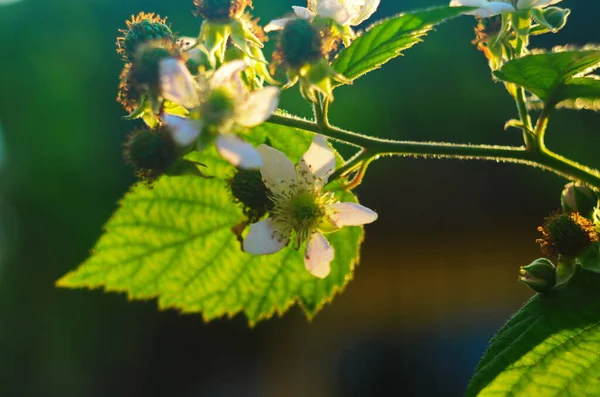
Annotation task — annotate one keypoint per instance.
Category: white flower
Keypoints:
(301, 206)
(343, 12)
(223, 102)
(490, 8)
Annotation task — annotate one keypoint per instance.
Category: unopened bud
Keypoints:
(579, 198)
(540, 275)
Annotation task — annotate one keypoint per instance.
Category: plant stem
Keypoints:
(542, 158)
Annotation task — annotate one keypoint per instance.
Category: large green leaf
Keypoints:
(174, 242)
(545, 75)
(387, 39)
(551, 347)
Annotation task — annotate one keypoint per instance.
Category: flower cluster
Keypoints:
(195, 92)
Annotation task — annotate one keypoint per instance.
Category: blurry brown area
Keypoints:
(438, 272)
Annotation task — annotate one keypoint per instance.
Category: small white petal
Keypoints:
(526, 4)
(183, 130)
(227, 74)
(277, 24)
(258, 107)
(350, 214)
(303, 13)
(335, 10)
(486, 8)
(238, 152)
(266, 237)
(365, 12)
(187, 43)
(177, 83)
(318, 163)
(468, 3)
(278, 172)
(318, 256)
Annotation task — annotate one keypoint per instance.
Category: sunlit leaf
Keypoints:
(551, 347)
(553, 77)
(387, 39)
(175, 242)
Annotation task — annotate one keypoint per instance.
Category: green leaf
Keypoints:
(174, 242)
(387, 39)
(545, 75)
(551, 347)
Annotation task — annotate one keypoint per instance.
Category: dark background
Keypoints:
(439, 268)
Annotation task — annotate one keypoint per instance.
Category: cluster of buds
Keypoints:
(211, 90)
(571, 236)
(501, 24)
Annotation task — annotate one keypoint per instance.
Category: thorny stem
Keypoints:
(541, 158)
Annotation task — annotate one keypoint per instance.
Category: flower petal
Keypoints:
(486, 8)
(227, 74)
(318, 163)
(277, 24)
(350, 214)
(183, 130)
(177, 83)
(266, 237)
(335, 10)
(526, 4)
(258, 107)
(365, 12)
(278, 172)
(238, 152)
(318, 256)
(303, 13)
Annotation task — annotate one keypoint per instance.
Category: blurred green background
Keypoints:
(438, 270)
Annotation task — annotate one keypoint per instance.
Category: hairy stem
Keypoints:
(542, 158)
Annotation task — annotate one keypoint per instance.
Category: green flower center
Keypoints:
(301, 211)
(306, 209)
(219, 107)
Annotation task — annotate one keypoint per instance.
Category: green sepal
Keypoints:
(505, 27)
(590, 259)
(521, 22)
(565, 270)
(184, 167)
(238, 36)
(552, 18)
(214, 36)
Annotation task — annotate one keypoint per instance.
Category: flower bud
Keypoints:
(579, 198)
(141, 29)
(540, 275)
(150, 152)
(221, 11)
(567, 235)
(248, 189)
